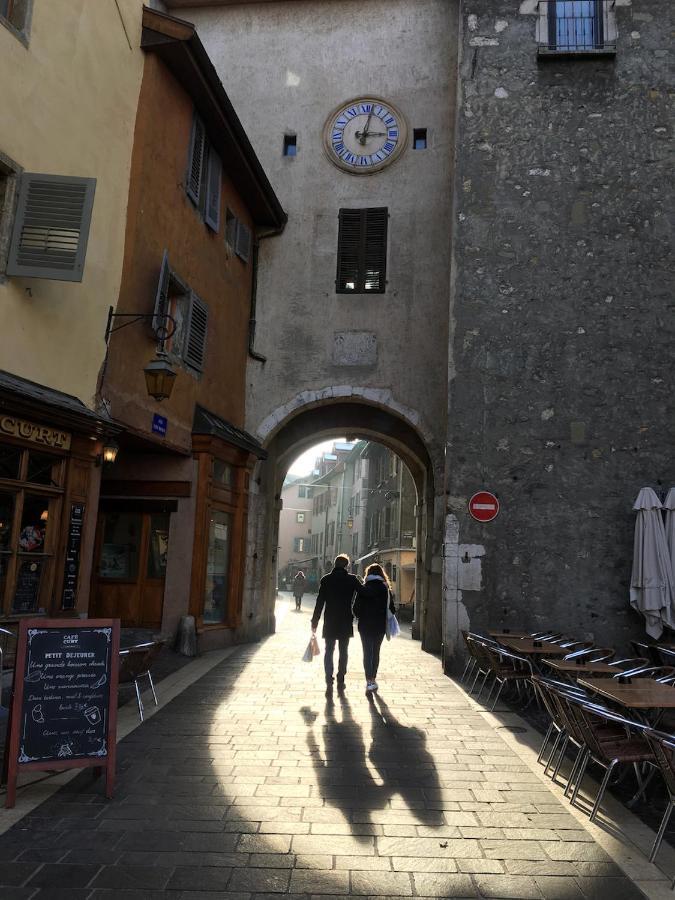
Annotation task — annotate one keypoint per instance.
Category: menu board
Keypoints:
(64, 705)
(72, 564)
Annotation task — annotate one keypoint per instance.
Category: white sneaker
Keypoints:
(373, 685)
(370, 686)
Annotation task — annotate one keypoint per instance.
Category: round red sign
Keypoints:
(484, 506)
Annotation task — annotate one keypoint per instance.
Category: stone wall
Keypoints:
(561, 390)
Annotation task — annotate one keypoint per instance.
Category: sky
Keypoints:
(304, 464)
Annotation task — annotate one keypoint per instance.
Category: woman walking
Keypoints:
(370, 608)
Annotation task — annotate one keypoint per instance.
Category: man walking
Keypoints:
(336, 593)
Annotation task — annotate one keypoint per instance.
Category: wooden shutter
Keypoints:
(349, 251)
(362, 251)
(196, 161)
(243, 248)
(51, 228)
(231, 228)
(194, 351)
(212, 204)
(162, 297)
(375, 250)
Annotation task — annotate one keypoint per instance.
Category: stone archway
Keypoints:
(367, 414)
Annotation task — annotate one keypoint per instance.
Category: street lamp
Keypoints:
(159, 376)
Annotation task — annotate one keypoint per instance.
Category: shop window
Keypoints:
(15, 15)
(121, 546)
(30, 505)
(217, 567)
(159, 545)
(10, 461)
(222, 473)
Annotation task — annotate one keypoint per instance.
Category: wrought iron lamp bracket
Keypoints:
(165, 329)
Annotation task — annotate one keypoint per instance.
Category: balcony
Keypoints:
(576, 28)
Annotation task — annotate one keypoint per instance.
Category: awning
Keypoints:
(206, 422)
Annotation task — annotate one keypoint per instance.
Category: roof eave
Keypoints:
(177, 44)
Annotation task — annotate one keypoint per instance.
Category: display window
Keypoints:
(31, 491)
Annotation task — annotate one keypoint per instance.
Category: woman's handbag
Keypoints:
(393, 629)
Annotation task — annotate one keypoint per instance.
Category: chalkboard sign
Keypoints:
(64, 701)
(27, 588)
(72, 563)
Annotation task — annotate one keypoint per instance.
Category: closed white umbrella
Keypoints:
(652, 587)
(669, 506)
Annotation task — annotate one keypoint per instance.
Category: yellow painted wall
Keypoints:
(68, 107)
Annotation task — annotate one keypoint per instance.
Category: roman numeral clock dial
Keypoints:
(365, 135)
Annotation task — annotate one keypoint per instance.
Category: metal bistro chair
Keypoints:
(135, 663)
(508, 667)
(592, 654)
(651, 651)
(663, 747)
(633, 749)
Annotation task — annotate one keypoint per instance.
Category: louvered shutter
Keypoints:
(375, 250)
(196, 162)
(349, 251)
(51, 228)
(194, 351)
(162, 297)
(243, 248)
(212, 204)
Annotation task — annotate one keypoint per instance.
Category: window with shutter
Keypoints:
(194, 351)
(162, 297)
(230, 228)
(51, 228)
(212, 201)
(196, 163)
(362, 251)
(243, 248)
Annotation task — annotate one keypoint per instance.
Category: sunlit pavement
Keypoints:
(253, 783)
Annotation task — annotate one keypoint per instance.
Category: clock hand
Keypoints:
(364, 133)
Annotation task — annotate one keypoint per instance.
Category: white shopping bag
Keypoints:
(393, 629)
(312, 650)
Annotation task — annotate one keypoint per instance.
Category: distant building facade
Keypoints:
(295, 530)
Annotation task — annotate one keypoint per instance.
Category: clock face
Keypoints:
(365, 135)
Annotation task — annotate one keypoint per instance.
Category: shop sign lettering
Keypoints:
(36, 434)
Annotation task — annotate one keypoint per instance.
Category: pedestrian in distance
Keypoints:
(298, 588)
(370, 608)
(336, 595)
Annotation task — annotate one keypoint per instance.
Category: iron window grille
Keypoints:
(362, 251)
(576, 27)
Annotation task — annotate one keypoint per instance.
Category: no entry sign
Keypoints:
(484, 506)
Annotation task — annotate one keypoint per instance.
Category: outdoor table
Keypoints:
(570, 667)
(525, 647)
(498, 635)
(641, 694)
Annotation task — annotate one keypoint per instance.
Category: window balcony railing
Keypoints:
(582, 27)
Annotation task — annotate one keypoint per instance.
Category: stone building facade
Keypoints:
(560, 399)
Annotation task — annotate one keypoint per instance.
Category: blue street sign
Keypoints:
(159, 424)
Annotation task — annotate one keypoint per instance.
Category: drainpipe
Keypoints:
(261, 235)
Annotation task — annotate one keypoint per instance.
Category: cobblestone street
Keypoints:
(252, 783)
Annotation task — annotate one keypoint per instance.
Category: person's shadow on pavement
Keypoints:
(344, 780)
(399, 753)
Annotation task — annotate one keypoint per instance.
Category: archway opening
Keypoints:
(351, 498)
(393, 438)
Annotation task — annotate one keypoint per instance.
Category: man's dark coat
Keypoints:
(336, 592)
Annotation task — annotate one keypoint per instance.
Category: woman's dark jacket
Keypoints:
(336, 593)
(370, 607)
